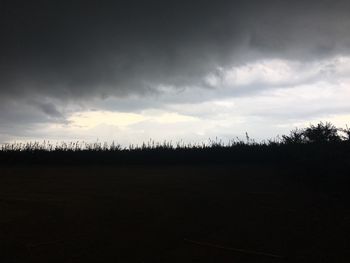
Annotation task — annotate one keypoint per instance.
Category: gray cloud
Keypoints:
(83, 49)
(58, 57)
(49, 109)
(22, 117)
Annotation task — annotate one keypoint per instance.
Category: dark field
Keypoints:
(183, 213)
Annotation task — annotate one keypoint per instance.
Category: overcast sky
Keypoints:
(133, 70)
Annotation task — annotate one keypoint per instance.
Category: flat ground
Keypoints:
(242, 213)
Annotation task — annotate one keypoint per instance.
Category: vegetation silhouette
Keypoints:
(316, 143)
(279, 200)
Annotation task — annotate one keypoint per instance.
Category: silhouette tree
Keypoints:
(296, 136)
(321, 133)
(346, 131)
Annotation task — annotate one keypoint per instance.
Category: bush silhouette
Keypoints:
(346, 131)
(321, 133)
(296, 136)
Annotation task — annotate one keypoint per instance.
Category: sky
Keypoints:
(130, 71)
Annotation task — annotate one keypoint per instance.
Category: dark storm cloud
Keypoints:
(79, 49)
(88, 48)
(49, 109)
(21, 117)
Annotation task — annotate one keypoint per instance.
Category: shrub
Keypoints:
(321, 133)
(296, 136)
(346, 133)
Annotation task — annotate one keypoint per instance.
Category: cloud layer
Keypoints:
(86, 48)
(59, 58)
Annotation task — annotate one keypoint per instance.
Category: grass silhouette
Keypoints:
(315, 143)
(284, 199)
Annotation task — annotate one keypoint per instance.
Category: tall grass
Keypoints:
(78, 146)
(318, 143)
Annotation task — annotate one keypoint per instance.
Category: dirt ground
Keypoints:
(241, 213)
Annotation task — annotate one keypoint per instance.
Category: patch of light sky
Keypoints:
(265, 98)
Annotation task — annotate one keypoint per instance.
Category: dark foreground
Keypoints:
(172, 213)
